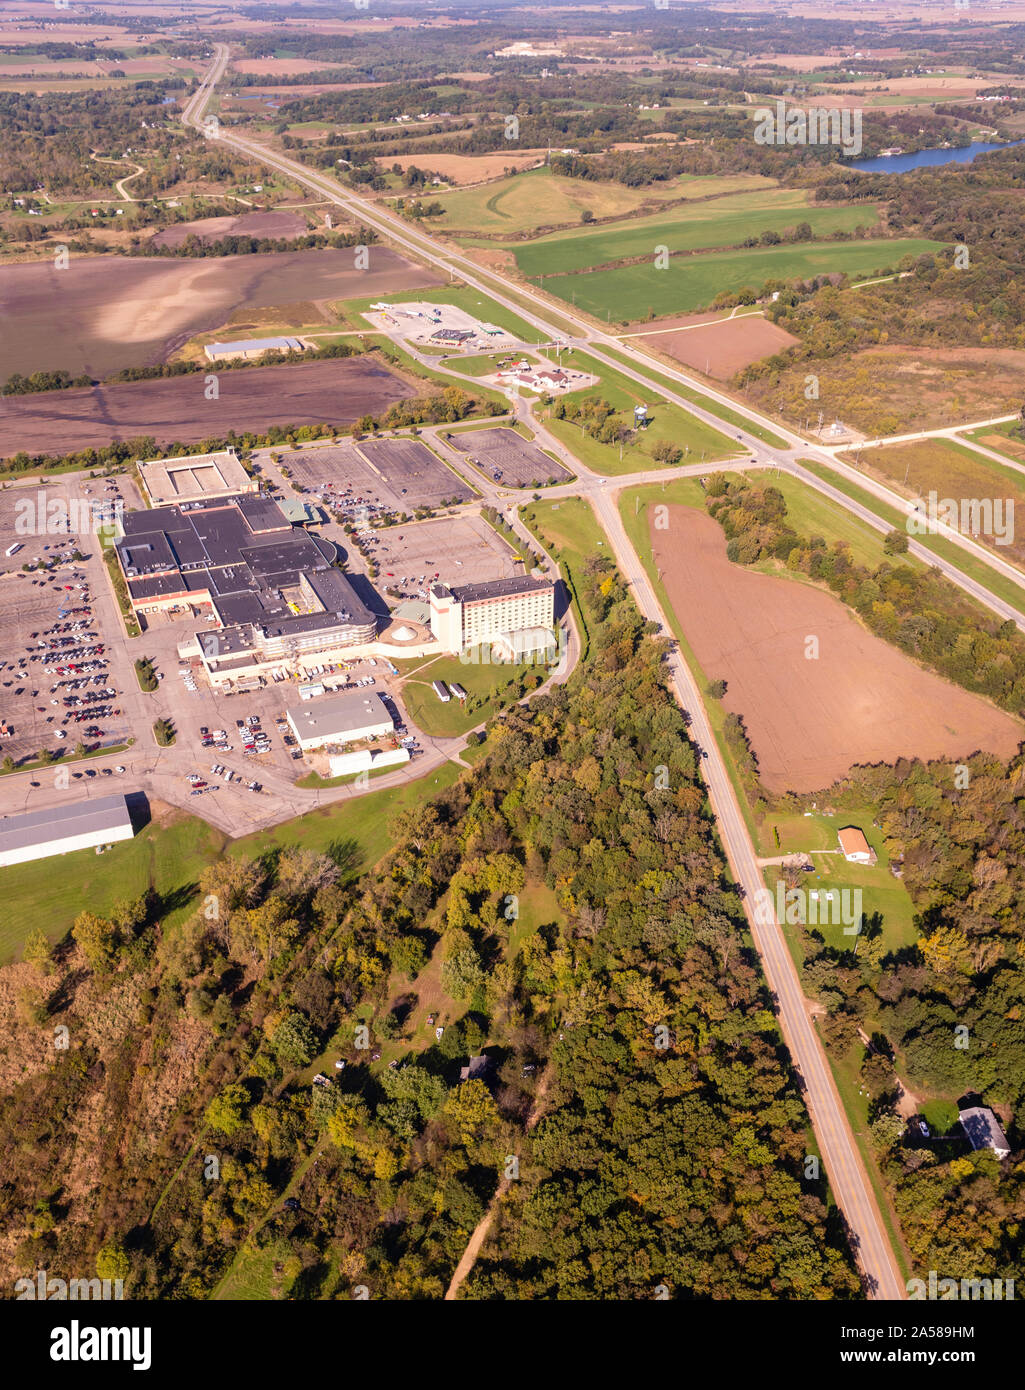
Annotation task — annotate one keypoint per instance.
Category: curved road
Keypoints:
(846, 1172)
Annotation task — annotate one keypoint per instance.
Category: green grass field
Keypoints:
(493, 684)
(171, 858)
(539, 198)
(729, 417)
(970, 565)
(691, 282)
(666, 422)
(168, 859)
(721, 222)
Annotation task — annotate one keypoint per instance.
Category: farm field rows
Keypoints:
(809, 721)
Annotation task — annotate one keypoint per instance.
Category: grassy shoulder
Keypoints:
(969, 564)
(667, 424)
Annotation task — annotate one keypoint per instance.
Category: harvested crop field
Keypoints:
(468, 168)
(107, 312)
(809, 721)
(335, 392)
(258, 224)
(722, 348)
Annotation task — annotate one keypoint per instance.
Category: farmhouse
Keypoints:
(344, 718)
(83, 825)
(466, 616)
(982, 1129)
(248, 348)
(856, 849)
(193, 477)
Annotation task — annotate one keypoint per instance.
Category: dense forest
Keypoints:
(945, 1016)
(632, 1019)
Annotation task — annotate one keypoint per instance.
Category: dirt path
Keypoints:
(473, 1245)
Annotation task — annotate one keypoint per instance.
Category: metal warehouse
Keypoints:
(82, 825)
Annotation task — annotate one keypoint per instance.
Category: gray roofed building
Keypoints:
(983, 1130)
(343, 718)
(81, 825)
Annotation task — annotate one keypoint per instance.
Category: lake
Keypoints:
(900, 163)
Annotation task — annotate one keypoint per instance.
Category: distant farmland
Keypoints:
(335, 392)
(719, 222)
(539, 198)
(691, 282)
(107, 312)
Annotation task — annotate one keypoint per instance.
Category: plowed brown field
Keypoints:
(810, 720)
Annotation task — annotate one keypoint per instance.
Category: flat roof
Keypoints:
(338, 714)
(493, 588)
(60, 823)
(193, 476)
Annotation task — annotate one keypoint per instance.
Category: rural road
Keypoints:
(844, 1167)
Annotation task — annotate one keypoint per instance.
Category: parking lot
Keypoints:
(46, 519)
(460, 550)
(506, 457)
(394, 475)
(56, 688)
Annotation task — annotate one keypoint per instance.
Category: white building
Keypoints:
(341, 764)
(856, 849)
(82, 825)
(476, 613)
(344, 718)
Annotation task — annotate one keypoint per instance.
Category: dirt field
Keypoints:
(809, 721)
(333, 392)
(720, 349)
(259, 224)
(519, 462)
(107, 312)
(468, 168)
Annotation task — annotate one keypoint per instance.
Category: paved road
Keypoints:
(843, 1164)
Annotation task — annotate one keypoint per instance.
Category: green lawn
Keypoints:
(171, 858)
(489, 688)
(666, 422)
(730, 417)
(720, 222)
(812, 514)
(968, 564)
(692, 282)
(168, 859)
